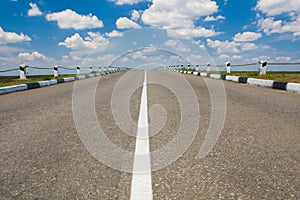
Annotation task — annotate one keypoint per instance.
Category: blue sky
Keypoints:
(88, 33)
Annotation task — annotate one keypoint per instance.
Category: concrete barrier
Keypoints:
(53, 82)
(260, 82)
(196, 73)
(14, 88)
(243, 79)
(189, 72)
(44, 83)
(27, 86)
(232, 78)
(33, 85)
(69, 79)
(203, 74)
(279, 85)
(223, 77)
(215, 76)
(293, 87)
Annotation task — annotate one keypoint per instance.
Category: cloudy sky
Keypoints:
(130, 33)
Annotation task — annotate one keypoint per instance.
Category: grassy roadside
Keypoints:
(14, 80)
(292, 77)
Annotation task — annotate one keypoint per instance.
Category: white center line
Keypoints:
(141, 185)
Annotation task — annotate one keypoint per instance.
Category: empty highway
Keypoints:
(54, 141)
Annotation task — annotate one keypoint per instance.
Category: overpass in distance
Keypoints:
(150, 135)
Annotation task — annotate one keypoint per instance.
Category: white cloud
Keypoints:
(276, 8)
(212, 18)
(70, 19)
(114, 33)
(236, 57)
(178, 17)
(177, 45)
(224, 57)
(272, 8)
(92, 41)
(248, 46)
(34, 11)
(130, 2)
(225, 46)
(247, 37)
(283, 58)
(125, 23)
(270, 26)
(149, 49)
(11, 37)
(171, 43)
(31, 56)
(196, 59)
(135, 15)
(192, 32)
(230, 47)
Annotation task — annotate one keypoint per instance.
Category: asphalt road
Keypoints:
(257, 155)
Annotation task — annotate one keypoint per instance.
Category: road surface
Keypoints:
(257, 155)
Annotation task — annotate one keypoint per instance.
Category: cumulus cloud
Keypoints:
(178, 17)
(270, 25)
(34, 11)
(283, 58)
(225, 46)
(70, 19)
(125, 23)
(248, 46)
(212, 18)
(230, 46)
(272, 8)
(247, 37)
(31, 56)
(194, 58)
(129, 2)
(177, 45)
(135, 15)
(92, 41)
(114, 33)
(11, 37)
(277, 8)
(192, 32)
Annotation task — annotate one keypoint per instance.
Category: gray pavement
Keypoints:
(256, 157)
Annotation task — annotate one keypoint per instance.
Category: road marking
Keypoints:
(141, 185)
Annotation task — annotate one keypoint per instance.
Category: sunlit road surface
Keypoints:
(257, 155)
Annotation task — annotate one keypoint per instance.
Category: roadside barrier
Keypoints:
(291, 87)
(33, 85)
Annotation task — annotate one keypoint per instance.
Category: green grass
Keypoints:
(14, 80)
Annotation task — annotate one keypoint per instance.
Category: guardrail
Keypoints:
(228, 67)
(291, 87)
(23, 69)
